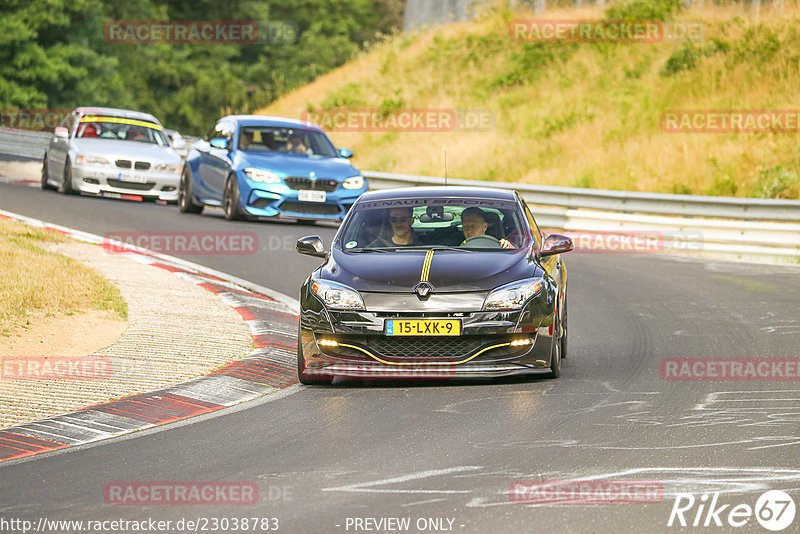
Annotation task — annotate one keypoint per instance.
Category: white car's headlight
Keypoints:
(260, 175)
(337, 296)
(92, 160)
(512, 296)
(354, 182)
(168, 167)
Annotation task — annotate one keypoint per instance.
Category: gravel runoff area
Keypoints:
(177, 330)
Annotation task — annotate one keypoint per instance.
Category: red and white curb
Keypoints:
(271, 317)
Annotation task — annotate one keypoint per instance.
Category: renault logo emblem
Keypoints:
(423, 290)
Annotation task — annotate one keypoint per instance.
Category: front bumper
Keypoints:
(271, 200)
(107, 181)
(491, 344)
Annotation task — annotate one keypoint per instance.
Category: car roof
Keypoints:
(114, 112)
(265, 120)
(439, 191)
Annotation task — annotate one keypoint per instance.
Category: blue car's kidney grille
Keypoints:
(323, 184)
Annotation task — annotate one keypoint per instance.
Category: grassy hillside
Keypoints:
(580, 114)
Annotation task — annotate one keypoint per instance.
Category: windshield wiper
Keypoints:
(374, 249)
(441, 247)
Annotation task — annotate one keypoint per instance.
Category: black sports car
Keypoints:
(434, 282)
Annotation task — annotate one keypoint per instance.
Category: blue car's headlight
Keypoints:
(260, 175)
(337, 296)
(512, 296)
(354, 182)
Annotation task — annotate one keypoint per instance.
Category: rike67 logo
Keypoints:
(774, 510)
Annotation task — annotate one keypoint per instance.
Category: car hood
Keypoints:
(125, 149)
(450, 271)
(297, 165)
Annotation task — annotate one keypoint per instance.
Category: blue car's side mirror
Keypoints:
(219, 142)
(345, 153)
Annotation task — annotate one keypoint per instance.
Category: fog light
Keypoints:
(328, 343)
(168, 188)
(521, 342)
(91, 181)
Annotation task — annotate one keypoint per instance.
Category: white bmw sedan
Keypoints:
(115, 153)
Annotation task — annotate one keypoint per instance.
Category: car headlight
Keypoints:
(92, 160)
(512, 296)
(260, 175)
(354, 182)
(337, 296)
(168, 167)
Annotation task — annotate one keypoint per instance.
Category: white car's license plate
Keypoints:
(306, 195)
(136, 178)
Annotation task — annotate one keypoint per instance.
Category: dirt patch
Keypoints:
(79, 334)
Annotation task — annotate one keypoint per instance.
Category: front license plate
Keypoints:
(423, 327)
(136, 178)
(306, 195)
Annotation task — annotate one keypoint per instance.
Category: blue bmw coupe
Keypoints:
(256, 166)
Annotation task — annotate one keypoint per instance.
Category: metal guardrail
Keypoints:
(723, 227)
(728, 227)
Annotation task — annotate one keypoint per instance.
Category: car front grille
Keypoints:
(138, 165)
(323, 184)
(447, 348)
(117, 184)
(310, 208)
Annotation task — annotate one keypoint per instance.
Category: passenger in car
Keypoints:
(401, 220)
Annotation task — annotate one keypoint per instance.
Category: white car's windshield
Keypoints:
(120, 128)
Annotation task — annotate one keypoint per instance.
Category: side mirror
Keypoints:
(312, 246)
(556, 244)
(219, 142)
(61, 132)
(179, 144)
(345, 153)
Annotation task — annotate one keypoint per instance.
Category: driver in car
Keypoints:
(474, 223)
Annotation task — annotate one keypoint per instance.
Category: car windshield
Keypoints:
(464, 224)
(287, 140)
(121, 129)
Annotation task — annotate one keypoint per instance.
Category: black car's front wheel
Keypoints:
(185, 202)
(230, 200)
(302, 374)
(555, 351)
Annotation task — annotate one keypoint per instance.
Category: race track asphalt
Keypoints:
(423, 451)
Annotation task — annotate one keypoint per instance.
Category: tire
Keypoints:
(66, 187)
(46, 186)
(230, 200)
(185, 202)
(555, 353)
(564, 330)
(301, 368)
